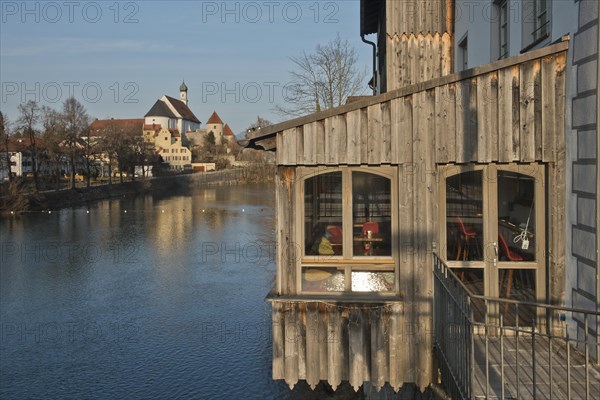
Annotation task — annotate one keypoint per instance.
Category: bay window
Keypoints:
(347, 226)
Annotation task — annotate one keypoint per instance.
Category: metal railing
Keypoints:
(485, 350)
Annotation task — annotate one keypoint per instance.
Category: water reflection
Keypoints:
(165, 300)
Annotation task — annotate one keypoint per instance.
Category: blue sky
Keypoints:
(118, 58)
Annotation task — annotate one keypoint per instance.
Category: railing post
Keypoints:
(533, 357)
(587, 359)
(502, 353)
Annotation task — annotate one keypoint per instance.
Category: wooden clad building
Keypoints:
(469, 165)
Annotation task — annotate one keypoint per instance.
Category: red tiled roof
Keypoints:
(98, 126)
(214, 119)
(227, 131)
(183, 109)
(153, 127)
(16, 145)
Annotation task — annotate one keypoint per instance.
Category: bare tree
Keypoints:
(29, 118)
(53, 135)
(258, 124)
(323, 79)
(76, 121)
(4, 142)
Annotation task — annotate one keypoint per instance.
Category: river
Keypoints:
(152, 296)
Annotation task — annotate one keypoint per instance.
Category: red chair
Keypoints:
(466, 236)
(504, 248)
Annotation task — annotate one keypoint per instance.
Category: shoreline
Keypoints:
(55, 200)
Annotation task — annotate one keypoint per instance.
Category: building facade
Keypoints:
(492, 168)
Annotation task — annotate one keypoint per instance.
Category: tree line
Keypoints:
(59, 142)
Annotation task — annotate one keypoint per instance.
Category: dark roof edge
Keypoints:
(271, 130)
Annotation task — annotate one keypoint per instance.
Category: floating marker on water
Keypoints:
(163, 211)
(88, 211)
(49, 212)
(125, 211)
(243, 210)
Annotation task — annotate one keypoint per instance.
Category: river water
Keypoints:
(151, 296)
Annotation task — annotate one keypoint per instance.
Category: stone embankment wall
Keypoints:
(51, 200)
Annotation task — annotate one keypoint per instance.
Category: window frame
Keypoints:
(503, 29)
(347, 261)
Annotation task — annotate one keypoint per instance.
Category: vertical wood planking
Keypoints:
(358, 342)
(395, 349)
(506, 117)
(395, 130)
(549, 112)
(446, 44)
(557, 173)
(386, 133)
(462, 125)
(406, 129)
(442, 131)
(528, 75)
(353, 132)
(379, 351)
(281, 156)
(284, 197)
(364, 133)
(278, 341)
(331, 143)
(313, 366)
(291, 340)
(289, 146)
(342, 137)
(301, 340)
(323, 348)
(335, 348)
(319, 142)
(310, 143)
(487, 118)
(374, 135)
(300, 145)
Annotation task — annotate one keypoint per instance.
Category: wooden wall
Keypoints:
(419, 16)
(417, 58)
(343, 342)
(509, 112)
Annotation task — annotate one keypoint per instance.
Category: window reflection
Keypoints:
(323, 215)
(369, 281)
(516, 217)
(464, 216)
(371, 215)
(517, 284)
(323, 279)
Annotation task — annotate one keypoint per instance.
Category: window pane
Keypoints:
(323, 279)
(516, 217)
(473, 280)
(464, 216)
(517, 284)
(372, 281)
(323, 215)
(371, 215)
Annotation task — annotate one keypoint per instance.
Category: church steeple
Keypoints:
(183, 93)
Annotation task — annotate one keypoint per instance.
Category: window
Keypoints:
(463, 54)
(503, 24)
(347, 230)
(541, 21)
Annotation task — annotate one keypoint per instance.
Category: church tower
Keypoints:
(183, 93)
